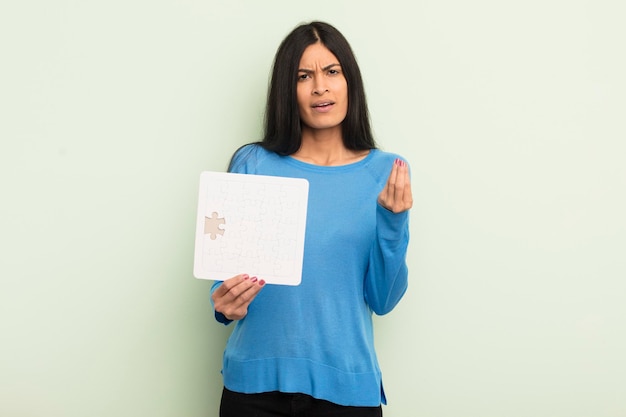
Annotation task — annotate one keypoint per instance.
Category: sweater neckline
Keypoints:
(331, 168)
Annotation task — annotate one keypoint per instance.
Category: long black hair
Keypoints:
(283, 130)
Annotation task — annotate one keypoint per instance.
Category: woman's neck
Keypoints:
(326, 148)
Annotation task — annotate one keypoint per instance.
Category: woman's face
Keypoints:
(322, 89)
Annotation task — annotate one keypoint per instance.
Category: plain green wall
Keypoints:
(510, 113)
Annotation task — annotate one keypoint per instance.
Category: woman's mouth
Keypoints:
(323, 106)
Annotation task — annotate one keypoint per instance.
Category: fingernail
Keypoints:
(246, 276)
(254, 279)
(397, 161)
(262, 282)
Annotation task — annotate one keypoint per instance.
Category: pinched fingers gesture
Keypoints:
(234, 296)
(397, 196)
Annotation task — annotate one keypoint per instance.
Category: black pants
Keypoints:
(279, 404)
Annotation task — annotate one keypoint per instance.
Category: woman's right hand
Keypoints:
(233, 297)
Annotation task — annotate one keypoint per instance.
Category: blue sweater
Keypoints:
(317, 338)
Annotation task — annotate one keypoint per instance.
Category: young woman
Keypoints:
(309, 349)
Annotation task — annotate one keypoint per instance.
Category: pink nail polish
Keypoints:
(262, 282)
(254, 279)
(246, 276)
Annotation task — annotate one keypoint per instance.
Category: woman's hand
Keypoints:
(233, 297)
(396, 196)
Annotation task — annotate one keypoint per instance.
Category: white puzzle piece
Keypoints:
(253, 224)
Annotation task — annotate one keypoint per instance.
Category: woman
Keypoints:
(310, 348)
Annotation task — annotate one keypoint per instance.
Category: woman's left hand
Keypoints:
(397, 196)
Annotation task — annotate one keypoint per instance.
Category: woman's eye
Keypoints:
(303, 77)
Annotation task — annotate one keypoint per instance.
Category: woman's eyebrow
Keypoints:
(326, 68)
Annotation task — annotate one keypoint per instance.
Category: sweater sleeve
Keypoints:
(218, 316)
(386, 280)
(240, 163)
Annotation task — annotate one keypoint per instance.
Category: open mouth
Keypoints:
(323, 105)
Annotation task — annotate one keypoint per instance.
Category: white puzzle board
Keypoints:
(253, 224)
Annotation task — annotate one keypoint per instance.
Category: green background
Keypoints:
(510, 113)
